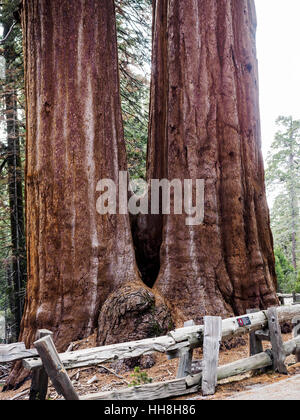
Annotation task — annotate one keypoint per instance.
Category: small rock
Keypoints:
(147, 361)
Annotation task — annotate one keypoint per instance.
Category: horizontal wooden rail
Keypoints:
(288, 295)
(171, 344)
(16, 351)
(191, 384)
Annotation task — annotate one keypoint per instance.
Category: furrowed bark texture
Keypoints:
(205, 124)
(76, 257)
(131, 313)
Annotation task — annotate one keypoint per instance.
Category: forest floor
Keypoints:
(118, 375)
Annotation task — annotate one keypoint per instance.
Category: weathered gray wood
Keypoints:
(255, 345)
(211, 348)
(185, 361)
(259, 361)
(39, 382)
(54, 368)
(296, 333)
(263, 335)
(99, 355)
(190, 384)
(173, 343)
(255, 339)
(156, 391)
(15, 351)
(240, 367)
(276, 341)
(296, 298)
(287, 295)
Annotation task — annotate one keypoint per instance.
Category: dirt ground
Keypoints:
(119, 374)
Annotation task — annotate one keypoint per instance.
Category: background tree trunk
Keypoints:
(76, 257)
(205, 124)
(15, 188)
(293, 196)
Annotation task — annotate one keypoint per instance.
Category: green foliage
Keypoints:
(140, 378)
(297, 285)
(285, 147)
(286, 275)
(12, 48)
(11, 85)
(283, 180)
(134, 45)
(282, 226)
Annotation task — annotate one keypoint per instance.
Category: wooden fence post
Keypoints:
(296, 298)
(296, 333)
(276, 341)
(185, 361)
(255, 344)
(55, 368)
(39, 382)
(256, 340)
(211, 348)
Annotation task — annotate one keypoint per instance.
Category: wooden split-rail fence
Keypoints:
(45, 362)
(295, 296)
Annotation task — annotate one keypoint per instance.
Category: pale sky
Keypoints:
(278, 51)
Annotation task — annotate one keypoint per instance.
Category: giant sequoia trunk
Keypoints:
(205, 124)
(76, 257)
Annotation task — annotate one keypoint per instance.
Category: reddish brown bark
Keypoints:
(132, 313)
(205, 124)
(76, 257)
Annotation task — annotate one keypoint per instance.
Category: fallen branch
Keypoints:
(3, 40)
(70, 348)
(114, 373)
(21, 394)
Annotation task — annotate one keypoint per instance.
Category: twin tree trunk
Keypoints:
(204, 125)
(76, 257)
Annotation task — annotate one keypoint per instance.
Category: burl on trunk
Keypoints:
(205, 124)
